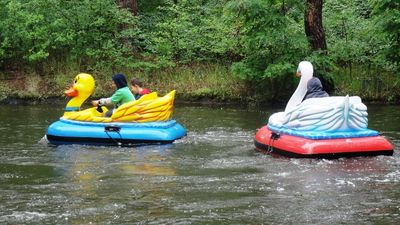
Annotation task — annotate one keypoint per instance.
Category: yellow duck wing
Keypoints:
(148, 108)
(130, 107)
(88, 115)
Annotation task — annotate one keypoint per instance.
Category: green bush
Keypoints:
(95, 33)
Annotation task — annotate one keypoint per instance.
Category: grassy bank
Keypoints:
(204, 82)
(194, 83)
(372, 85)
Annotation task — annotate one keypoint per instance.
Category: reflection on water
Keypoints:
(212, 176)
(106, 181)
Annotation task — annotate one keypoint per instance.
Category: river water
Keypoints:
(211, 176)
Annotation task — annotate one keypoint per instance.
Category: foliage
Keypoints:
(387, 18)
(187, 31)
(352, 36)
(89, 31)
(270, 37)
(261, 41)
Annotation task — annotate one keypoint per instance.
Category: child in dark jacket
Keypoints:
(314, 89)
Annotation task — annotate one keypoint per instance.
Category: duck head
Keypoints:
(305, 72)
(82, 88)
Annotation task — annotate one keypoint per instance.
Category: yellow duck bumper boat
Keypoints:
(144, 121)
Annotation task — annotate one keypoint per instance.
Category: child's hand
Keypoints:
(95, 103)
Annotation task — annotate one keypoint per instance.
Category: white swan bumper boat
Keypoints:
(328, 127)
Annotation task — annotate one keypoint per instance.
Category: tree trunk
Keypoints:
(131, 5)
(313, 25)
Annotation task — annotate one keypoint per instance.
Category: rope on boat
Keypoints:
(114, 129)
(272, 138)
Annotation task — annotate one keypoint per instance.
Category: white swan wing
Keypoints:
(358, 116)
(327, 114)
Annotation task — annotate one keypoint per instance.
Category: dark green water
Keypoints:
(212, 176)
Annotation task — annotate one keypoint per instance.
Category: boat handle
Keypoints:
(112, 129)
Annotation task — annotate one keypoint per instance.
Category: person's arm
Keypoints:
(116, 97)
(102, 101)
(113, 100)
(105, 101)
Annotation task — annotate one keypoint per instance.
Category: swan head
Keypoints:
(82, 88)
(305, 72)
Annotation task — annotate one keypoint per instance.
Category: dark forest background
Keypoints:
(240, 50)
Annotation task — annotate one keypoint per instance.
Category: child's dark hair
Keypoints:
(137, 82)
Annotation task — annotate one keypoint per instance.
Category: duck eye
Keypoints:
(76, 80)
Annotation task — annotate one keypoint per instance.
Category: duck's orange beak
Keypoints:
(72, 92)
